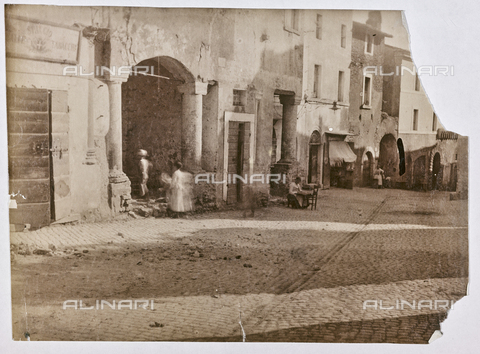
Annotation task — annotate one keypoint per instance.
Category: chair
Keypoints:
(312, 198)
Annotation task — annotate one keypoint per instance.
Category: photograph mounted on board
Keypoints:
(228, 175)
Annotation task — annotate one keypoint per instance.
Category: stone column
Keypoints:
(119, 184)
(289, 129)
(91, 157)
(192, 124)
(289, 143)
(114, 135)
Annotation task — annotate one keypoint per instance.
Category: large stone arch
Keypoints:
(161, 113)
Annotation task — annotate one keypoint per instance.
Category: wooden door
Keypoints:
(238, 159)
(314, 164)
(59, 129)
(28, 119)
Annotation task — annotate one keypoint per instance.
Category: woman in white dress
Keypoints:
(180, 191)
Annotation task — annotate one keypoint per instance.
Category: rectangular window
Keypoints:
(295, 20)
(292, 20)
(417, 83)
(239, 97)
(317, 81)
(367, 90)
(318, 32)
(369, 41)
(343, 41)
(341, 78)
(434, 122)
(415, 119)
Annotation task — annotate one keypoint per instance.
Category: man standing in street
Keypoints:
(144, 167)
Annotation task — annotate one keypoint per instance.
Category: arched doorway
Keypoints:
(368, 165)
(152, 116)
(388, 156)
(436, 172)
(315, 158)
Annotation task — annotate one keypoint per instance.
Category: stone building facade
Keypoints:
(228, 92)
(207, 99)
(374, 133)
(430, 152)
(323, 113)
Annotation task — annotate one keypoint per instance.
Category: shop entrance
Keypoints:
(314, 158)
(367, 174)
(436, 172)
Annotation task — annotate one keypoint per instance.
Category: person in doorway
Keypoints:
(144, 167)
(180, 191)
(379, 175)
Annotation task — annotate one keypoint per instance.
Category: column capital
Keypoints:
(118, 77)
(258, 94)
(96, 34)
(116, 80)
(290, 100)
(193, 88)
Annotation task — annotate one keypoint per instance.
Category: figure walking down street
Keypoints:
(144, 167)
(179, 191)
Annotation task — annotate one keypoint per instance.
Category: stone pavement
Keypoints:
(351, 232)
(182, 318)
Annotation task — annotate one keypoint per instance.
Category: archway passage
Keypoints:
(367, 175)
(436, 172)
(388, 156)
(152, 117)
(314, 158)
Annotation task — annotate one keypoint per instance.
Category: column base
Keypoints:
(119, 192)
(280, 189)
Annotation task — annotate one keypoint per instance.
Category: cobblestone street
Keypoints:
(282, 275)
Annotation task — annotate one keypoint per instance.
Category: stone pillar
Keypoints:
(289, 144)
(289, 129)
(192, 124)
(114, 135)
(119, 184)
(91, 157)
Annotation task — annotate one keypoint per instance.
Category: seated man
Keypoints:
(292, 196)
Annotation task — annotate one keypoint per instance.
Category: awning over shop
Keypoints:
(339, 151)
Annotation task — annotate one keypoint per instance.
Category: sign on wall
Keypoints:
(31, 39)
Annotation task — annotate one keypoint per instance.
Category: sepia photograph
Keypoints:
(180, 174)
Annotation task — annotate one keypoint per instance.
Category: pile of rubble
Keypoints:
(158, 208)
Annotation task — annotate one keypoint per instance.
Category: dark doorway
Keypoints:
(152, 118)
(274, 147)
(367, 175)
(30, 165)
(238, 158)
(436, 175)
(314, 158)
